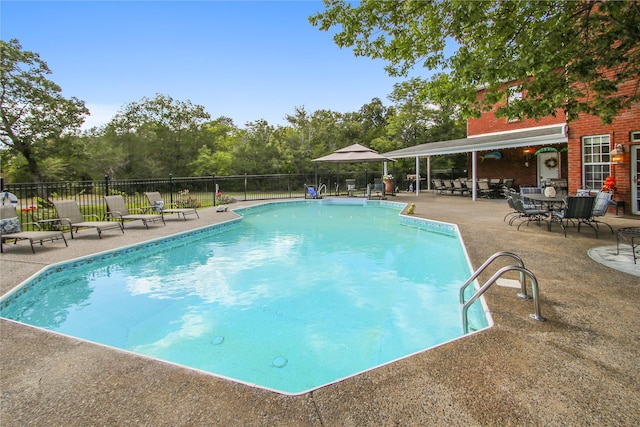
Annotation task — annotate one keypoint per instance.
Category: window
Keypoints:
(595, 161)
(514, 95)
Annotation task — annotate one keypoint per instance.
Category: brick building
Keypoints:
(579, 154)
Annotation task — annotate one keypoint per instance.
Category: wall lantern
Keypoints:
(527, 157)
(617, 154)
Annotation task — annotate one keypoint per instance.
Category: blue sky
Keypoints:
(247, 60)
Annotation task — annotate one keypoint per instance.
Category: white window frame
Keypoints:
(514, 94)
(596, 161)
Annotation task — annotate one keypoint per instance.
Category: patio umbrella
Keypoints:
(355, 153)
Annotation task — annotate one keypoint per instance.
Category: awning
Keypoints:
(556, 134)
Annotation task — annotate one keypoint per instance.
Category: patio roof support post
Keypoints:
(428, 178)
(417, 176)
(384, 168)
(474, 174)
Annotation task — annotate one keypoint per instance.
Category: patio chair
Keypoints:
(311, 192)
(600, 206)
(575, 208)
(157, 205)
(508, 192)
(69, 215)
(529, 203)
(458, 188)
(351, 186)
(117, 208)
(514, 211)
(469, 184)
(377, 190)
(11, 229)
(508, 182)
(448, 186)
(485, 190)
(525, 214)
(439, 187)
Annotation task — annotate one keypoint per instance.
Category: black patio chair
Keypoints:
(525, 214)
(578, 209)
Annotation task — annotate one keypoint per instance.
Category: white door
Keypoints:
(635, 179)
(548, 166)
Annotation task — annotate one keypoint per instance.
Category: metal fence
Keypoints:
(34, 200)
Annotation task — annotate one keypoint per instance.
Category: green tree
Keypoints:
(254, 151)
(159, 135)
(419, 120)
(101, 158)
(568, 55)
(215, 155)
(34, 114)
(374, 118)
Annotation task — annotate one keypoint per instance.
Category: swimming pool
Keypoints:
(292, 297)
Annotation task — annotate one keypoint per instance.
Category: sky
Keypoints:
(247, 60)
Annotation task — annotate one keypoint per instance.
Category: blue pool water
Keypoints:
(292, 297)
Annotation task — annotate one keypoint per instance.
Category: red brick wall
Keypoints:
(619, 132)
(512, 163)
(489, 123)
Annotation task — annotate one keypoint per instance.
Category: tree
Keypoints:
(32, 109)
(420, 120)
(159, 135)
(214, 157)
(568, 55)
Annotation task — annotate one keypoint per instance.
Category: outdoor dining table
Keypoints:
(550, 202)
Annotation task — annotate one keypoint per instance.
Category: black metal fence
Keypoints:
(34, 200)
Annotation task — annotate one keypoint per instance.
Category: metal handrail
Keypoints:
(523, 288)
(534, 291)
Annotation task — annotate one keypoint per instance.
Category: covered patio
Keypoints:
(537, 137)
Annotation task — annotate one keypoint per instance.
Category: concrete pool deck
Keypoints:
(580, 367)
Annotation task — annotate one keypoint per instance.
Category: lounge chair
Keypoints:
(157, 205)
(69, 215)
(117, 208)
(11, 229)
(448, 187)
(458, 188)
(485, 190)
(311, 192)
(439, 187)
(575, 208)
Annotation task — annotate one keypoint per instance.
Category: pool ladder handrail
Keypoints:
(320, 188)
(523, 293)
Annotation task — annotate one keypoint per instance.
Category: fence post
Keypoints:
(245, 187)
(106, 185)
(289, 183)
(170, 189)
(215, 192)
